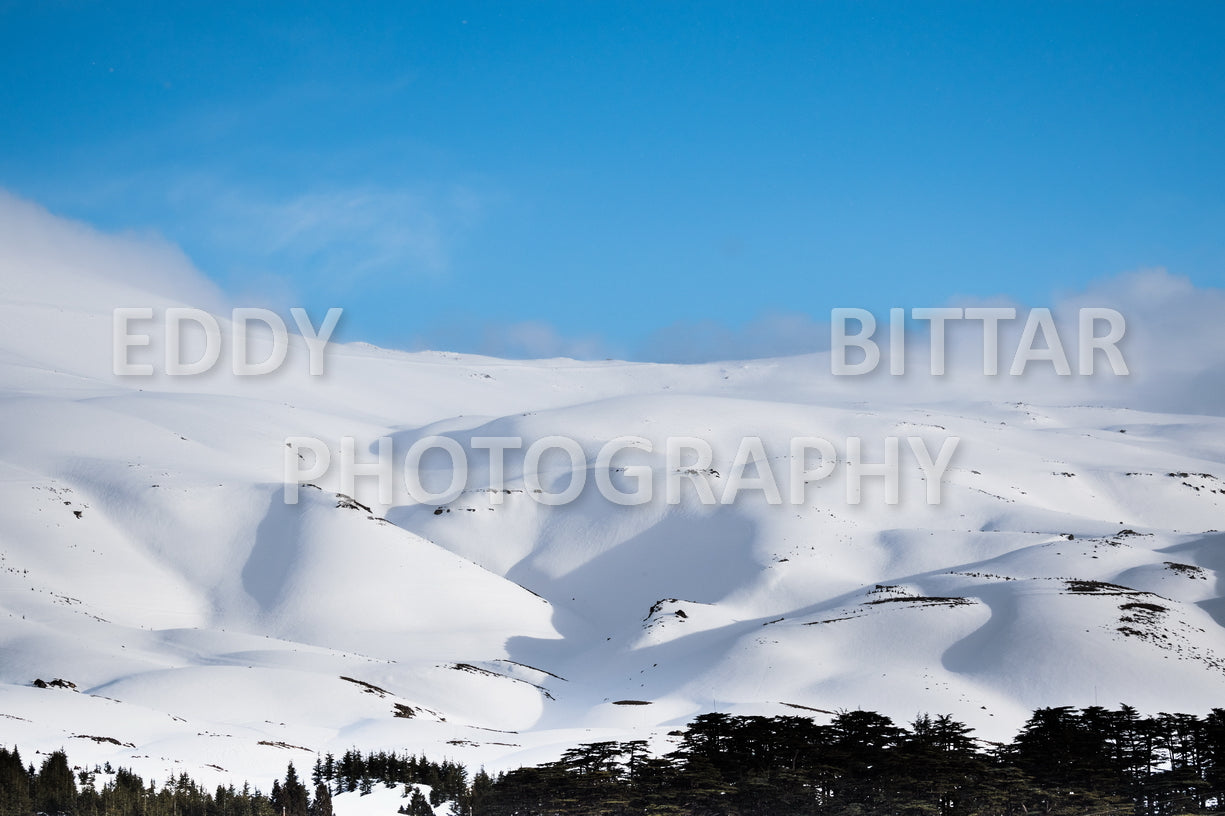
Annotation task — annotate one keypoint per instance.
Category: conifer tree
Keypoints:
(322, 804)
(54, 789)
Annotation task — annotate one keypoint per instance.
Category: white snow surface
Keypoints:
(148, 558)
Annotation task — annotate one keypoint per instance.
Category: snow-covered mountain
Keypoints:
(182, 616)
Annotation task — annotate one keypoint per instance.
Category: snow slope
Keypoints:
(147, 556)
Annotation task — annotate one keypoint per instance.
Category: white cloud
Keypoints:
(49, 258)
(1176, 344)
(1174, 348)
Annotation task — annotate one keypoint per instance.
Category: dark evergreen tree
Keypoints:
(54, 789)
(417, 805)
(322, 804)
(277, 797)
(480, 793)
(294, 799)
(16, 784)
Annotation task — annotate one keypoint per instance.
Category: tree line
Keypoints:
(1064, 762)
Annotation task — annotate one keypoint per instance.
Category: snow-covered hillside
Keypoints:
(197, 622)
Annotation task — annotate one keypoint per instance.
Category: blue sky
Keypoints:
(653, 181)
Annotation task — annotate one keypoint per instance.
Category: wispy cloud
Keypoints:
(333, 237)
